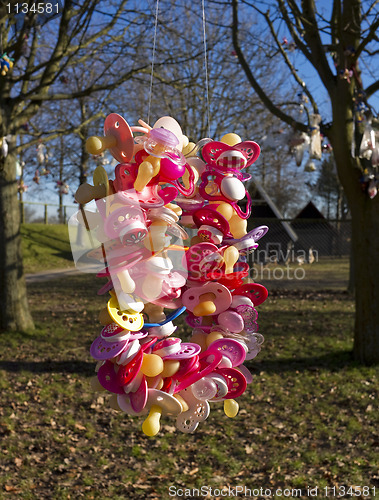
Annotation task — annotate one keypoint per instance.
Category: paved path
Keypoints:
(51, 275)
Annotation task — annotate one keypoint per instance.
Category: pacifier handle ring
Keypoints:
(237, 208)
(220, 197)
(180, 187)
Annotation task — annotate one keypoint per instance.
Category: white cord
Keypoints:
(206, 69)
(153, 58)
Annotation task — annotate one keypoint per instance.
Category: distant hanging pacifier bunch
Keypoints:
(163, 188)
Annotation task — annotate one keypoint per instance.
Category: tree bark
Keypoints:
(14, 310)
(365, 241)
(365, 233)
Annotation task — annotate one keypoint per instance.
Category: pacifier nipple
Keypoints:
(231, 408)
(96, 145)
(231, 255)
(206, 306)
(146, 171)
(151, 425)
(126, 282)
(152, 365)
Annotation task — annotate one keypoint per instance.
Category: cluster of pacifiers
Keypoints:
(156, 270)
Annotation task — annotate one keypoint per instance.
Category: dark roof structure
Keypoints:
(310, 211)
(263, 207)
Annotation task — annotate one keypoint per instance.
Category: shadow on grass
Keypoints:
(332, 361)
(79, 367)
(34, 240)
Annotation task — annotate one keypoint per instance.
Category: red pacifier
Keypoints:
(256, 293)
(230, 158)
(212, 226)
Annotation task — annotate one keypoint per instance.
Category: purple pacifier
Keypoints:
(102, 349)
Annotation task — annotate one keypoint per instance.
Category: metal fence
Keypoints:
(289, 240)
(295, 253)
(310, 254)
(45, 213)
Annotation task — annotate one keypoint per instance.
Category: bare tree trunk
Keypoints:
(365, 241)
(14, 310)
(83, 173)
(351, 284)
(365, 238)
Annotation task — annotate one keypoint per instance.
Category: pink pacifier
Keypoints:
(107, 377)
(188, 350)
(113, 332)
(249, 315)
(229, 348)
(216, 296)
(226, 158)
(187, 366)
(116, 126)
(167, 347)
(231, 320)
(221, 160)
(206, 367)
(138, 399)
(201, 259)
(127, 223)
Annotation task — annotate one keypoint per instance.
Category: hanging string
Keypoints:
(205, 64)
(206, 70)
(153, 58)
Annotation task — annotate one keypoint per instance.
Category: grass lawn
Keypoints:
(45, 246)
(328, 273)
(308, 419)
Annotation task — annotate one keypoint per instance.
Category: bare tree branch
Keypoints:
(254, 83)
(291, 67)
(312, 37)
(371, 89)
(369, 38)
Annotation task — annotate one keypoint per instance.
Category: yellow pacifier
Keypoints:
(129, 320)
